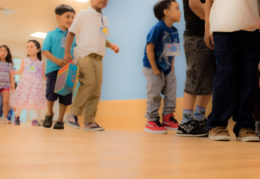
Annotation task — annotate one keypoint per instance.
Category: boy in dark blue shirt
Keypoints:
(161, 48)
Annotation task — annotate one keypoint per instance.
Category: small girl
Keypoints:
(6, 80)
(30, 92)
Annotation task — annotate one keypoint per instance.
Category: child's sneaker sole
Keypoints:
(155, 132)
(171, 129)
(219, 138)
(248, 139)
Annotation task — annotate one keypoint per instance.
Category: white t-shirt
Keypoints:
(234, 15)
(87, 29)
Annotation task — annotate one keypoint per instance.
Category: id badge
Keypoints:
(63, 39)
(104, 31)
(172, 49)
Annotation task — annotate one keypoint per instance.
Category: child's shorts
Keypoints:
(201, 66)
(50, 95)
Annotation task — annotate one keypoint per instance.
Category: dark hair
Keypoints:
(63, 8)
(160, 6)
(38, 46)
(9, 55)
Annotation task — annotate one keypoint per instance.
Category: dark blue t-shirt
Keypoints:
(167, 44)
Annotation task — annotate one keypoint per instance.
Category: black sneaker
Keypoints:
(59, 125)
(47, 123)
(192, 128)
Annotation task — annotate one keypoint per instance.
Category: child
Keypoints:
(6, 80)
(91, 31)
(234, 25)
(54, 49)
(30, 92)
(158, 62)
(200, 71)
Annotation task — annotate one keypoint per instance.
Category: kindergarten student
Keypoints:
(54, 49)
(6, 79)
(30, 92)
(91, 31)
(161, 48)
(231, 30)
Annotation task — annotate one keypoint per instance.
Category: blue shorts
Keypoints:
(50, 95)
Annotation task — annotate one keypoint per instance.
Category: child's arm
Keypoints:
(208, 38)
(68, 44)
(20, 71)
(198, 8)
(43, 70)
(113, 47)
(151, 57)
(12, 81)
(54, 59)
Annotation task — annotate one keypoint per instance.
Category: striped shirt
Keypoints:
(5, 69)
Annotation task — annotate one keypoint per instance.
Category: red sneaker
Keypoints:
(170, 123)
(155, 127)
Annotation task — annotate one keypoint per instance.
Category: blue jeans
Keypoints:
(235, 81)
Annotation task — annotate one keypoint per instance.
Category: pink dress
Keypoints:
(30, 92)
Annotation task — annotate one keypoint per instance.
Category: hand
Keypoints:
(67, 58)
(61, 63)
(13, 72)
(115, 48)
(156, 71)
(208, 38)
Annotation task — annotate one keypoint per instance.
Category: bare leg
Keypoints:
(50, 105)
(189, 101)
(202, 101)
(62, 112)
(5, 95)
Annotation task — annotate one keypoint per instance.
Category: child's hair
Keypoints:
(63, 8)
(38, 46)
(9, 55)
(160, 6)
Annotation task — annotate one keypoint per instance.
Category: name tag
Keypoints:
(172, 49)
(104, 31)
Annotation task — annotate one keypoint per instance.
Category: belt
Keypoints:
(93, 55)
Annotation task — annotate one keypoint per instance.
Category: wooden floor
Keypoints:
(27, 152)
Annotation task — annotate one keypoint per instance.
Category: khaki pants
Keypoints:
(90, 78)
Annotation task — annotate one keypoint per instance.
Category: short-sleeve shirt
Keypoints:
(87, 29)
(234, 15)
(55, 44)
(5, 69)
(167, 45)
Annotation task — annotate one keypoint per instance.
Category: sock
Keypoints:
(186, 115)
(199, 113)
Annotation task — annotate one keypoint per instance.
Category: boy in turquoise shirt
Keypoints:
(54, 49)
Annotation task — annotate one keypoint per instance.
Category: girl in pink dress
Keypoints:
(30, 92)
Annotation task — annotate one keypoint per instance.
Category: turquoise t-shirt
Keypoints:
(55, 44)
